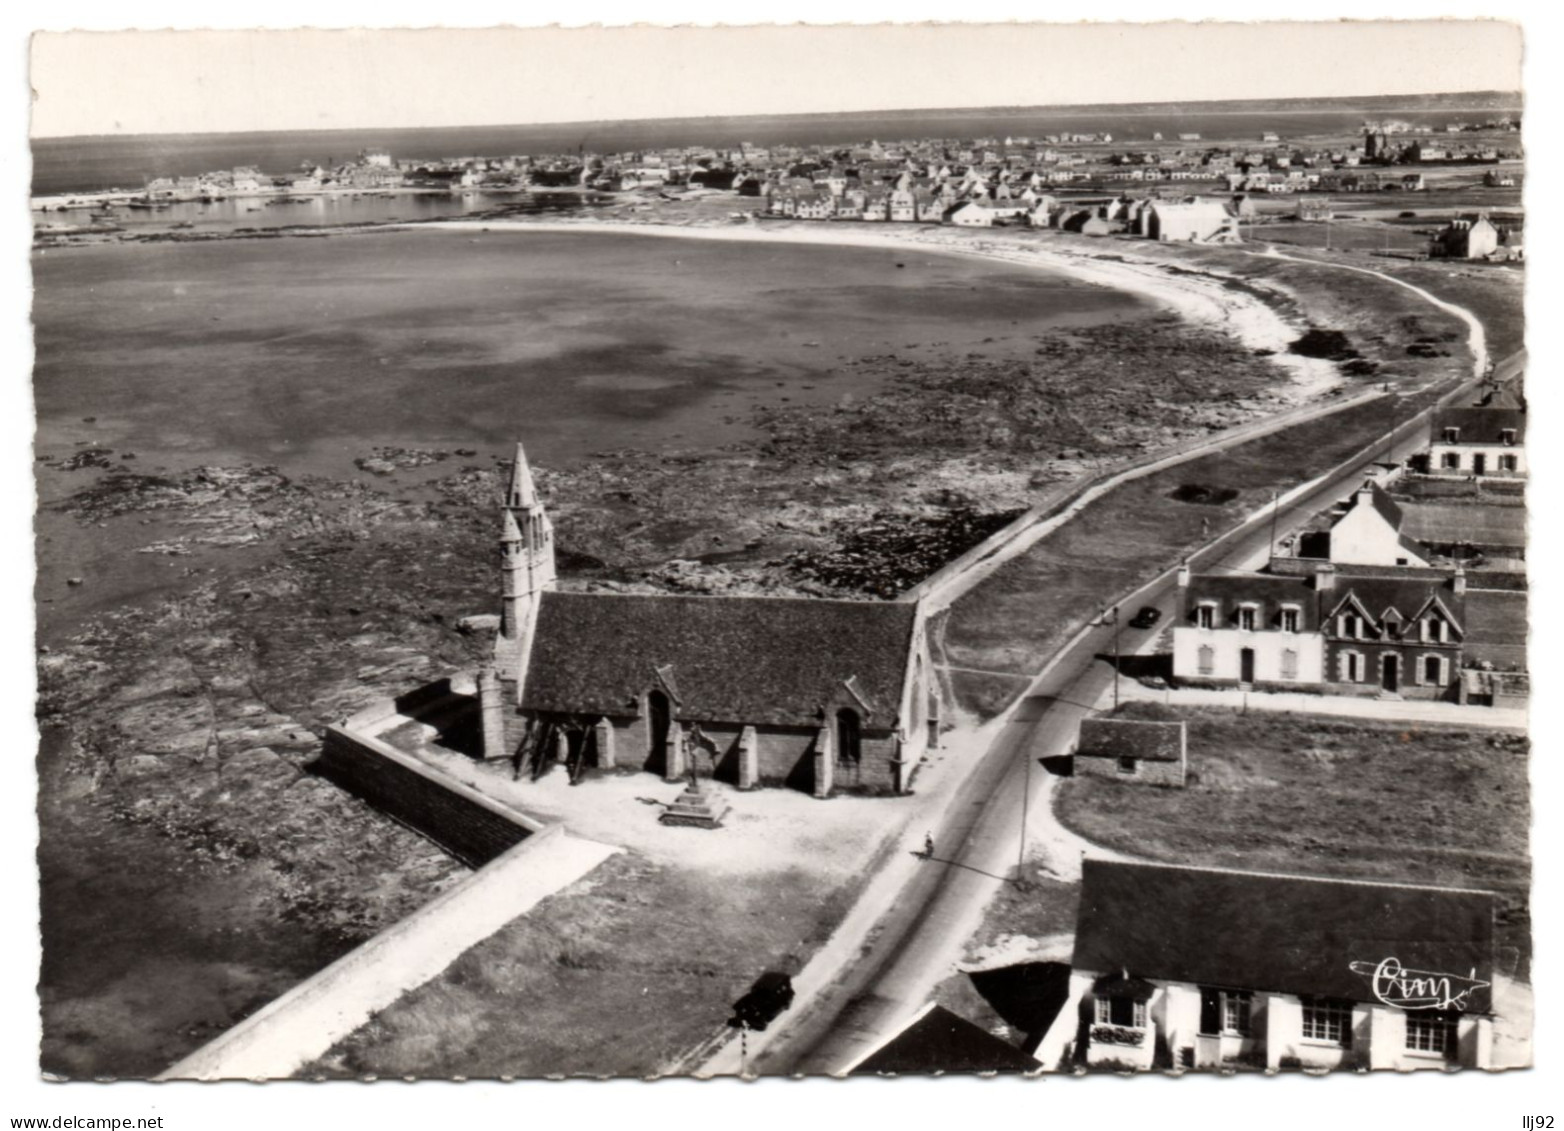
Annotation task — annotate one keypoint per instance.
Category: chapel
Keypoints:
(812, 694)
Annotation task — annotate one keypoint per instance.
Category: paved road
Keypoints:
(914, 944)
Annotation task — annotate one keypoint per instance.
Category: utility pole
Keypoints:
(1274, 509)
(1026, 794)
(1115, 615)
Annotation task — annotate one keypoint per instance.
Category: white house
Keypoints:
(1481, 441)
(1203, 968)
(1257, 629)
(1365, 531)
(1204, 221)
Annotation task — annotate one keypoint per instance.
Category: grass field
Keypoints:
(620, 974)
(1122, 540)
(1425, 805)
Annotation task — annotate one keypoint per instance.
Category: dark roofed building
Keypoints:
(1394, 636)
(1478, 441)
(762, 660)
(814, 694)
(1222, 967)
(938, 1041)
(1142, 750)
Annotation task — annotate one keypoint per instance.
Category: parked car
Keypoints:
(770, 995)
(1146, 618)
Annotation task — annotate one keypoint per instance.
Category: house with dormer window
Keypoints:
(1207, 968)
(1479, 442)
(1256, 630)
(1396, 636)
(1345, 632)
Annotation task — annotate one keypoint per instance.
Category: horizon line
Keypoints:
(1518, 95)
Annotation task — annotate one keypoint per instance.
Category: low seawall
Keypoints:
(309, 1019)
(473, 828)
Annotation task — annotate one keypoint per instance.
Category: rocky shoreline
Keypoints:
(195, 719)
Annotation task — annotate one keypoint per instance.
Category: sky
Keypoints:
(219, 81)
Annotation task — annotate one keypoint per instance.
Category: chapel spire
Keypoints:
(521, 495)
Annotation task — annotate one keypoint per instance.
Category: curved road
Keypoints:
(919, 938)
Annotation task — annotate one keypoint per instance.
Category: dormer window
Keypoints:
(1246, 617)
(1434, 630)
(1205, 615)
(1350, 625)
(1452, 435)
(1508, 436)
(1289, 620)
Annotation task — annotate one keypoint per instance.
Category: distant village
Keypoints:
(1174, 189)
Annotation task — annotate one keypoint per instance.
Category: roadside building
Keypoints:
(811, 694)
(1466, 237)
(1393, 636)
(1254, 630)
(1364, 531)
(1385, 632)
(1314, 209)
(1478, 442)
(1205, 968)
(1146, 751)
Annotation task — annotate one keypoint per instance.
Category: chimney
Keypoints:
(1325, 577)
(1183, 575)
(1458, 581)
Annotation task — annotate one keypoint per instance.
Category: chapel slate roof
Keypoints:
(1284, 934)
(752, 660)
(1146, 739)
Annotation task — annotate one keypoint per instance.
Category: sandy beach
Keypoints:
(1202, 299)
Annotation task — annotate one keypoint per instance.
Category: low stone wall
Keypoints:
(301, 1025)
(473, 828)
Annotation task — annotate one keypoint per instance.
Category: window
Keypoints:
(1289, 619)
(1451, 461)
(1350, 625)
(1205, 615)
(1289, 663)
(1509, 463)
(1121, 1011)
(1508, 436)
(1246, 616)
(1327, 1021)
(1207, 657)
(1431, 1032)
(1434, 630)
(1433, 670)
(1127, 766)
(1235, 1013)
(1351, 667)
(1452, 435)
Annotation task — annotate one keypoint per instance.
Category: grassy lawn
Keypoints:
(621, 974)
(1424, 805)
